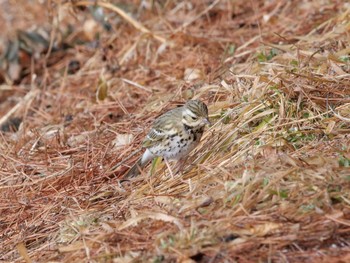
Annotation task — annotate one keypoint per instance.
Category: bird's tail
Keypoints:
(134, 170)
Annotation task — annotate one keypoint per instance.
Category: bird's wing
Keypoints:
(166, 125)
(153, 137)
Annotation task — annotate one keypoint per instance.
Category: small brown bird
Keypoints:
(173, 135)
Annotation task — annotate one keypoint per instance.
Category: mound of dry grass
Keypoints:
(270, 180)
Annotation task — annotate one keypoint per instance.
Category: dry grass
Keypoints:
(270, 181)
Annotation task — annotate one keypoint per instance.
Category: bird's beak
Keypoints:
(206, 121)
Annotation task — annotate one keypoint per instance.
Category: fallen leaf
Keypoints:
(150, 215)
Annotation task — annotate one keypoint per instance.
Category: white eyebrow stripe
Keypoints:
(188, 112)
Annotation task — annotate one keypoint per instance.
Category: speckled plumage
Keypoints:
(174, 134)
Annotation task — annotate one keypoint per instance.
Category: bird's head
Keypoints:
(195, 114)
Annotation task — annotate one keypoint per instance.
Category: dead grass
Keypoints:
(270, 181)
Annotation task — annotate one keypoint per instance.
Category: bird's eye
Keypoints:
(194, 118)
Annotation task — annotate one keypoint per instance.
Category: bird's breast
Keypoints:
(177, 145)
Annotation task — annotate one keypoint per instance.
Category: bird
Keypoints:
(173, 135)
